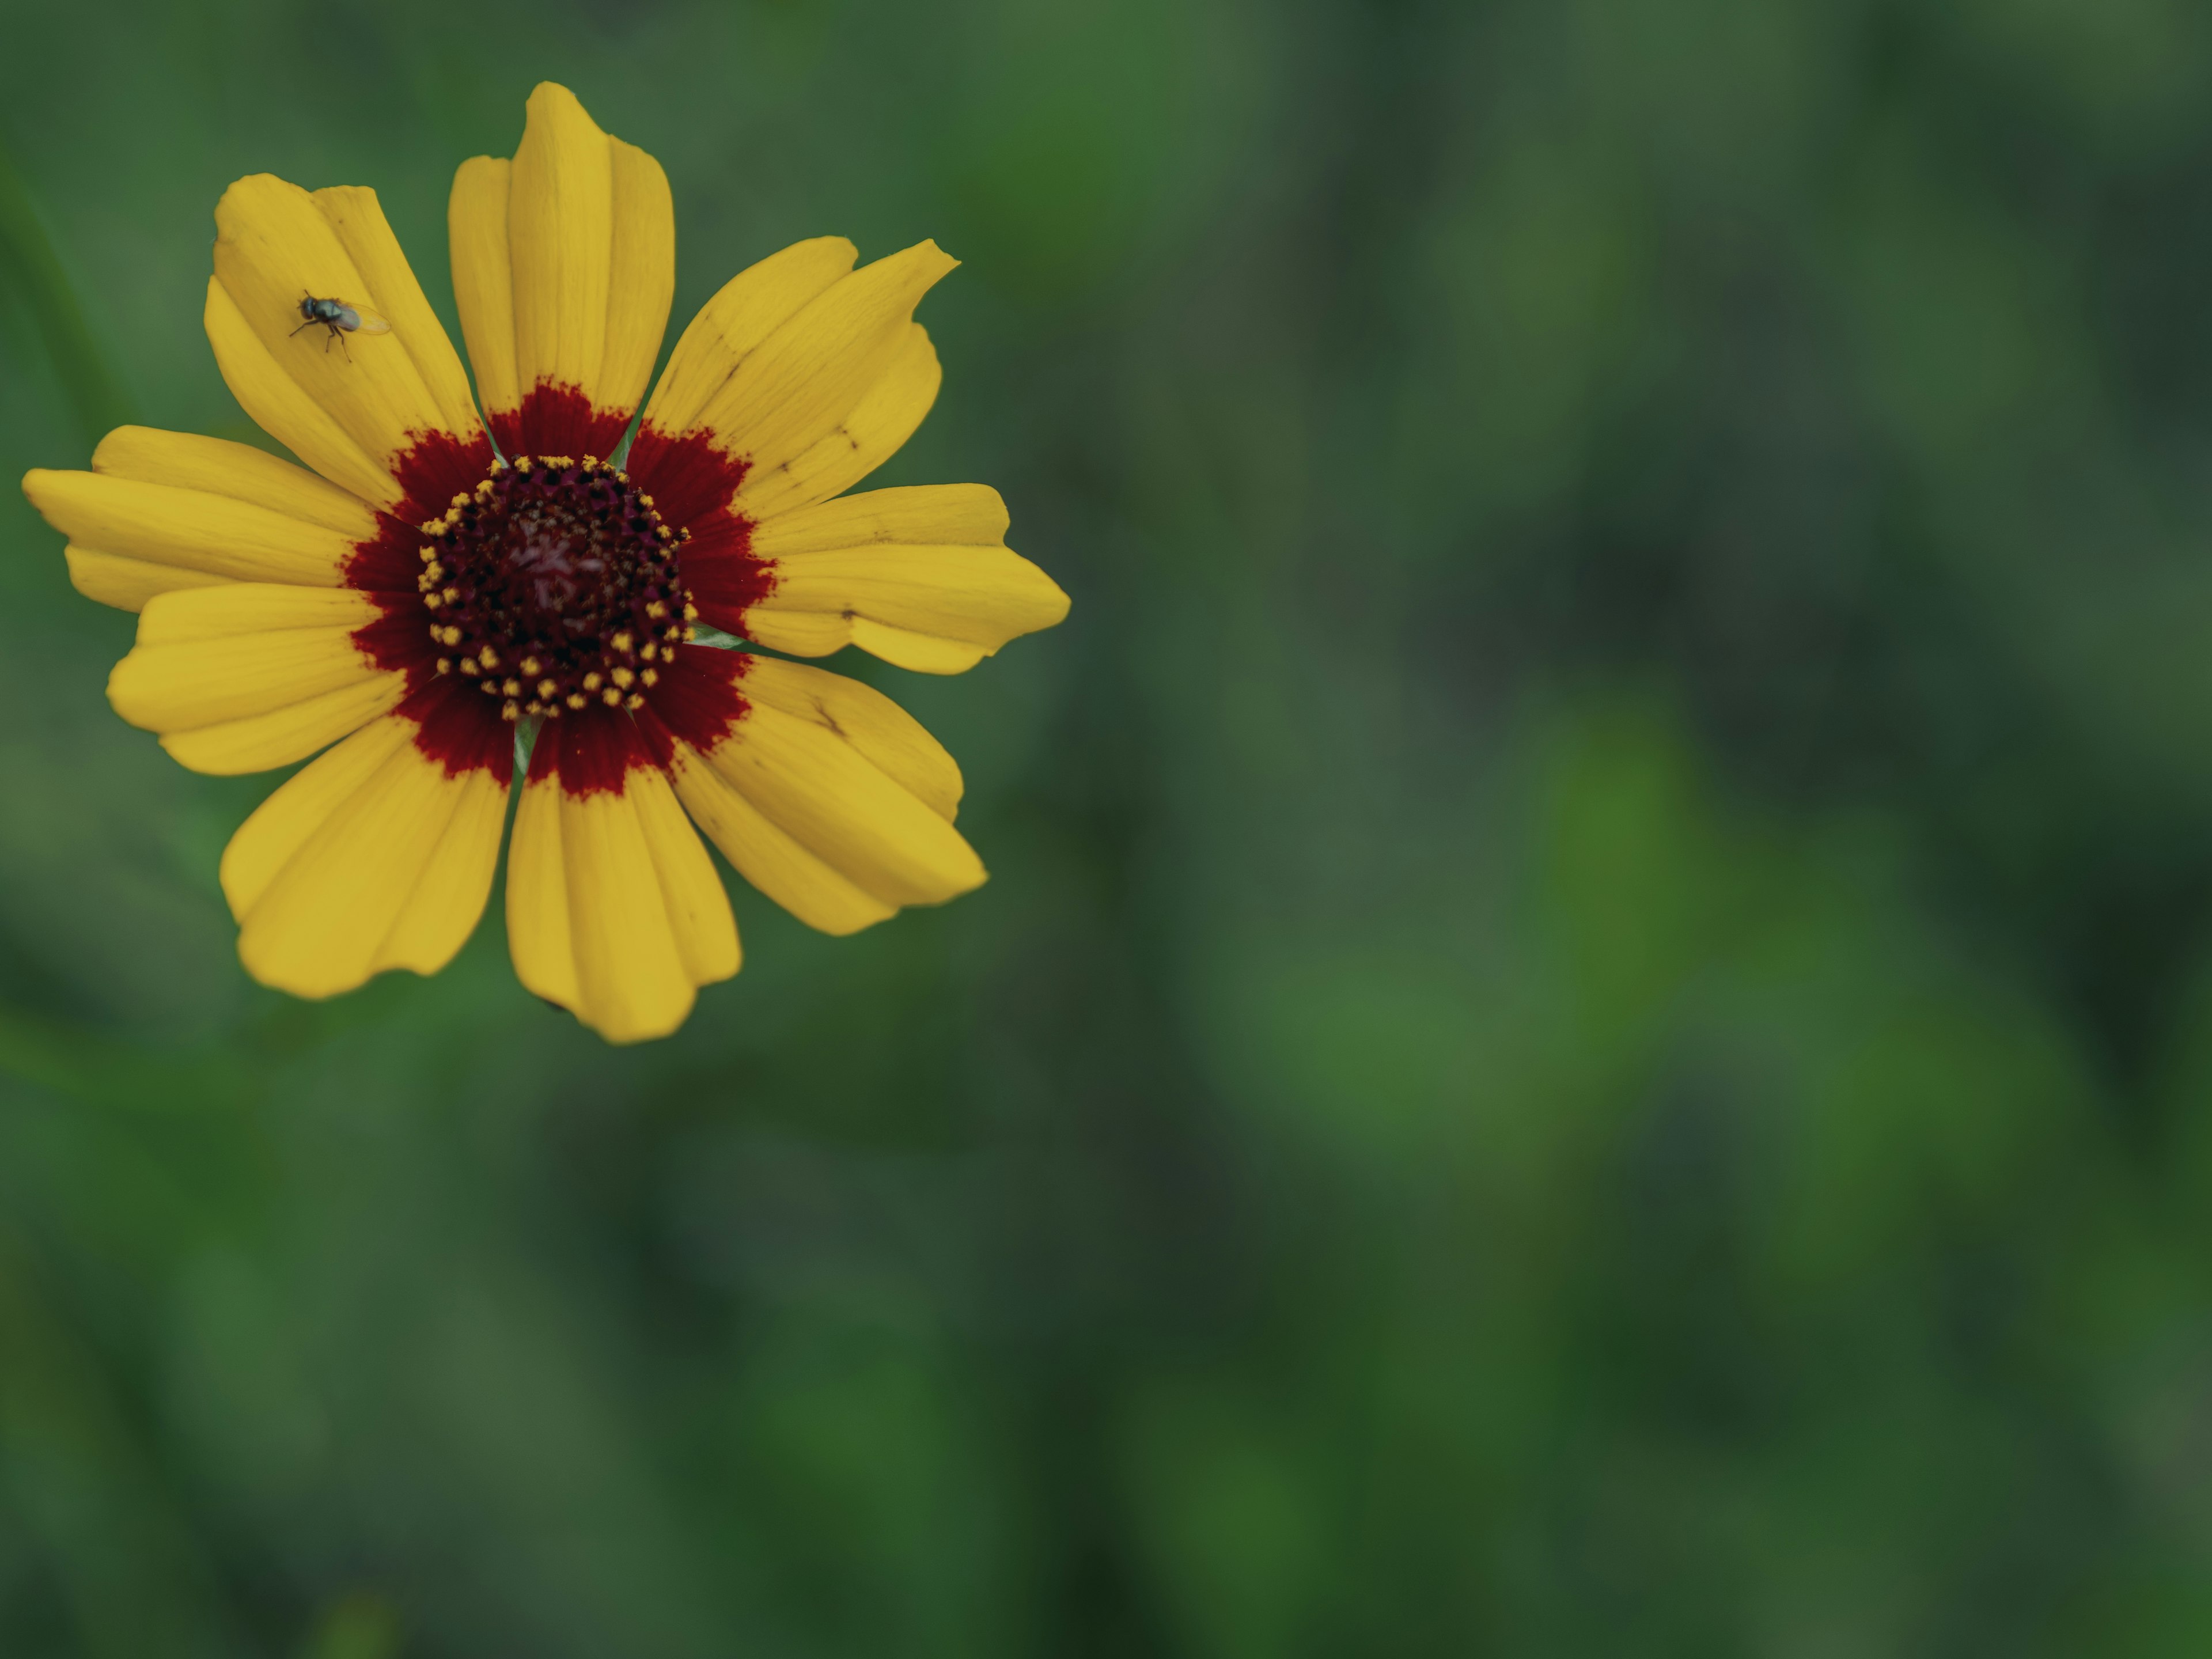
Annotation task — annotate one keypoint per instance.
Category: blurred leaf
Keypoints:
(30, 268)
(357, 1626)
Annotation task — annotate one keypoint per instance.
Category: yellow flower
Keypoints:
(417, 595)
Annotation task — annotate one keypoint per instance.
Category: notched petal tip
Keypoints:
(550, 98)
(919, 576)
(371, 858)
(927, 253)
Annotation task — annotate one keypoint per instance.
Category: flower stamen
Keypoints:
(562, 568)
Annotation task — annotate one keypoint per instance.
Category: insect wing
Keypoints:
(360, 319)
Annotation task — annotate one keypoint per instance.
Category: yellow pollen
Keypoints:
(545, 678)
(690, 613)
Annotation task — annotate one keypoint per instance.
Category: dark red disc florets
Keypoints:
(555, 586)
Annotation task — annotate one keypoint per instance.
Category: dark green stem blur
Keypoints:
(32, 279)
(1592, 1029)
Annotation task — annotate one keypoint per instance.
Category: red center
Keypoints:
(569, 576)
(554, 585)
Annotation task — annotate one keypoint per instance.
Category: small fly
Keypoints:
(341, 319)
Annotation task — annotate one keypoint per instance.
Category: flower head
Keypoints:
(437, 581)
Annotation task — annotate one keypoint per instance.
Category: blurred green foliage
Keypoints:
(1593, 1030)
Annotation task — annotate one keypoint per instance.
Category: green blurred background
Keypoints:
(1593, 1030)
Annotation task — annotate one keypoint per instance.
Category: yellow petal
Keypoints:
(771, 860)
(266, 841)
(285, 410)
(252, 608)
(808, 375)
(484, 280)
(372, 857)
(362, 230)
(844, 598)
(246, 677)
(614, 910)
(560, 230)
(826, 798)
(882, 420)
(630, 976)
(926, 515)
(276, 246)
(214, 656)
(127, 584)
(538, 898)
(802, 633)
(191, 530)
(919, 653)
(731, 326)
(823, 781)
(183, 687)
(913, 575)
(200, 468)
(698, 908)
(185, 460)
(284, 824)
(261, 742)
(885, 734)
(642, 277)
(564, 263)
(448, 895)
